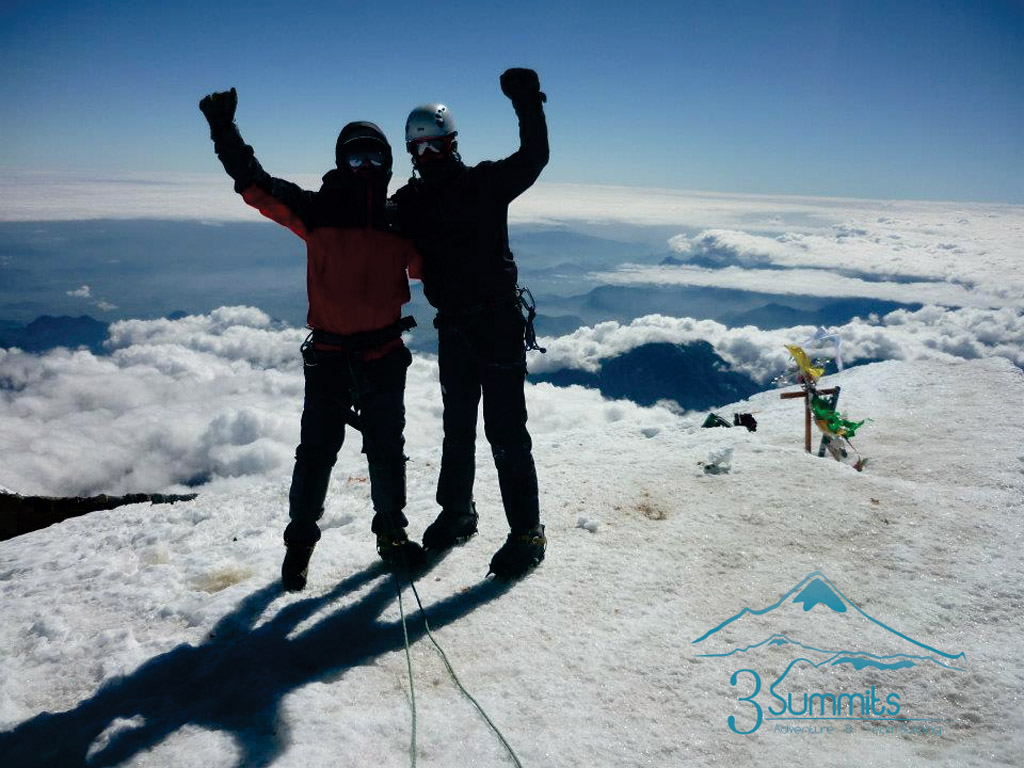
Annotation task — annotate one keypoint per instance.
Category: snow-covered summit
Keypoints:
(157, 635)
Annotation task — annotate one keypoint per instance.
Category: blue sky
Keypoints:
(900, 99)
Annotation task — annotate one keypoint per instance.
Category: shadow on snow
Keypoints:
(234, 682)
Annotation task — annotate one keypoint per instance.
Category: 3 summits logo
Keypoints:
(839, 666)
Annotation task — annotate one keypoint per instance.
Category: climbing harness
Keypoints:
(352, 343)
(528, 306)
(351, 346)
(521, 298)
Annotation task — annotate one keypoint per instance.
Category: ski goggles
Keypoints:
(374, 157)
(439, 145)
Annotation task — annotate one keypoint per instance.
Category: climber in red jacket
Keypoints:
(355, 361)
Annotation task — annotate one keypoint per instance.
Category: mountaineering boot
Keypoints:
(295, 567)
(520, 552)
(398, 553)
(450, 528)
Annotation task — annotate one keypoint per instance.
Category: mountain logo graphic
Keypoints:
(818, 635)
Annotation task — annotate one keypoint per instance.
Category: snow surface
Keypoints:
(157, 635)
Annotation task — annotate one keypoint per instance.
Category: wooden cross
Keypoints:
(806, 394)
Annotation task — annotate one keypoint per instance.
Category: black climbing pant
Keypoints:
(333, 385)
(481, 355)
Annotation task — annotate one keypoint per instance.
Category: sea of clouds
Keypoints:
(931, 332)
(950, 262)
(951, 254)
(207, 399)
(216, 396)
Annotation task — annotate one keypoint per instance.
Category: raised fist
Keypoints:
(219, 107)
(521, 85)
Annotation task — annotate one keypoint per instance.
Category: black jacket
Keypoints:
(457, 217)
(342, 201)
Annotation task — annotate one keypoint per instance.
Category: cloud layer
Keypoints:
(210, 398)
(932, 332)
(955, 254)
(216, 396)
(934, 256)
(207, 399)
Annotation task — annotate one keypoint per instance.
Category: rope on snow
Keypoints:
(451, 674)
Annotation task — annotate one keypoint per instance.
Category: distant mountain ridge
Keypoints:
(692, 375)
(48, 332)
(731, 307)
(774, 315)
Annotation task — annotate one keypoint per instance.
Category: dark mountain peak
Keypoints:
(49, 331)
(693, 375)
(56, 323)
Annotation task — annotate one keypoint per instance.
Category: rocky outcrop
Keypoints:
(23, 514)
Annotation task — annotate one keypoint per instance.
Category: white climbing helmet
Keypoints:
(429, 121)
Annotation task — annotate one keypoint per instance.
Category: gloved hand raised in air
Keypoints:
(521, 85)
(219, 108)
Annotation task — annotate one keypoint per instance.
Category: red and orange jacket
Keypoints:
(357, 267)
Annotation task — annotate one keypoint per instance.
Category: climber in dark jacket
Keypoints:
(354, 360)
(458, 219)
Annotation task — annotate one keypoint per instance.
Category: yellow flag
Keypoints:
(806, 368)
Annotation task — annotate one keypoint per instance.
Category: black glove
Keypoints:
(521, 85)
(219, 108)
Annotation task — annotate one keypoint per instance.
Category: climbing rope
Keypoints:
(458, 683)
(451, 674)
(408, 662)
